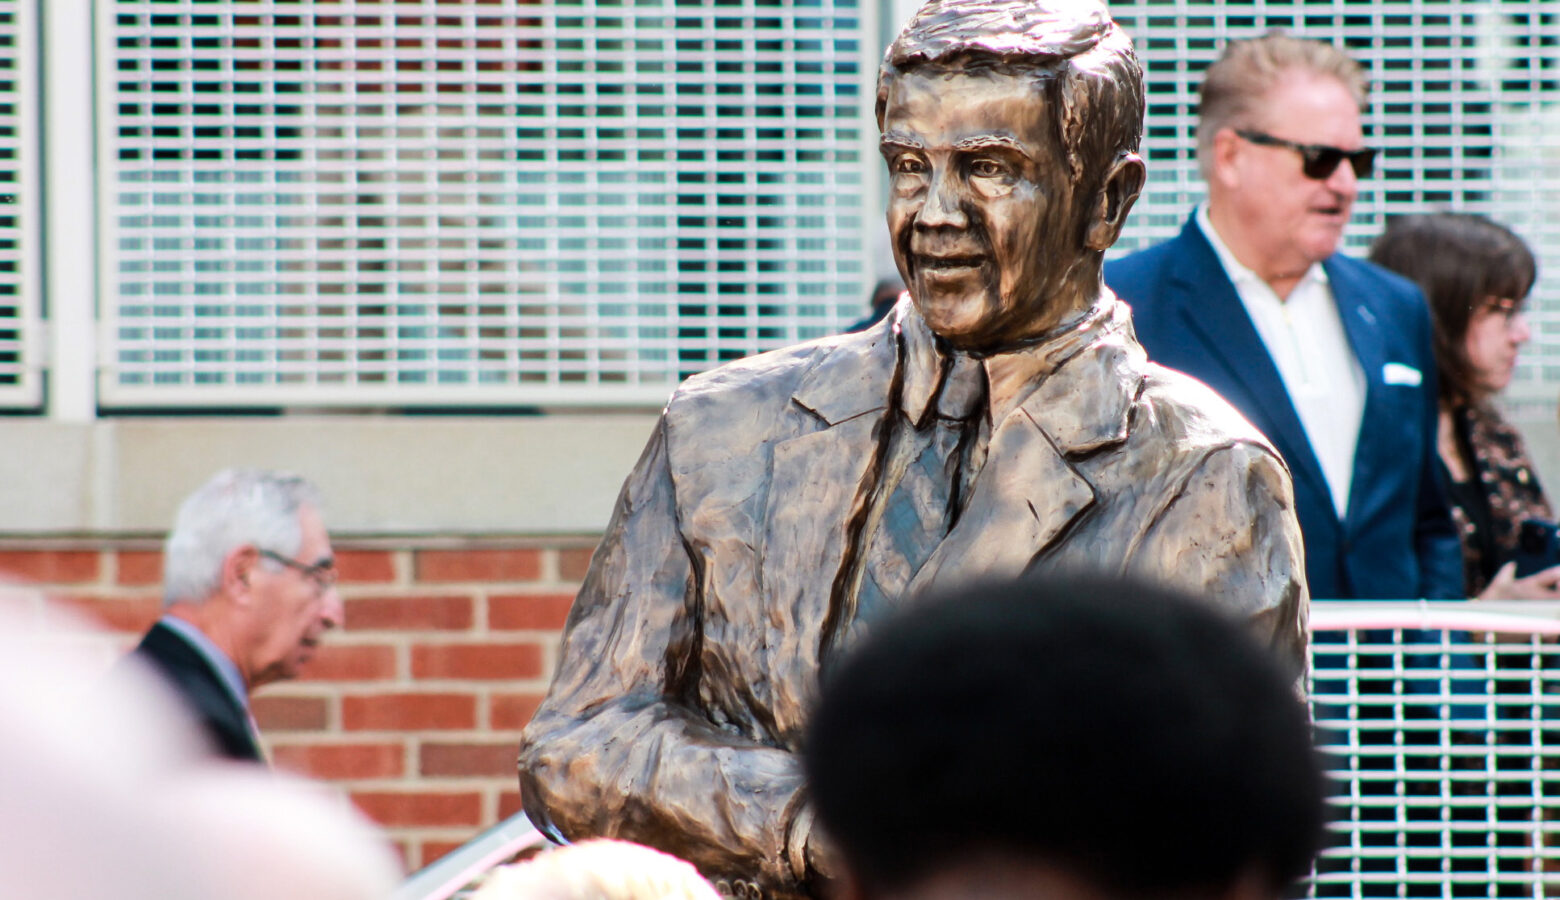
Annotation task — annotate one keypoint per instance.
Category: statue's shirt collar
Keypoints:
(938, 380)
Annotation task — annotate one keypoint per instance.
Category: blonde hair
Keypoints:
(1247, 70)
(598, 870)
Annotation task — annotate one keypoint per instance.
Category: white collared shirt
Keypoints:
(1304, 336)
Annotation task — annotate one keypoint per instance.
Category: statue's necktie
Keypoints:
(925, 488)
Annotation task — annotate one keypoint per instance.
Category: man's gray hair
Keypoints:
(1234, 86)
(1082, 61)
(236, 507)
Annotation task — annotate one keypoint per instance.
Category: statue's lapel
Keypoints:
(1027, 495)
(820, 482)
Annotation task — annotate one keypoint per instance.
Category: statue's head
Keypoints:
(1011, 130)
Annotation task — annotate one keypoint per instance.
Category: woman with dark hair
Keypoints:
(1477, 275)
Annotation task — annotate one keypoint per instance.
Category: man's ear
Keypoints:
(237, 567)
(1123, 183)
(1222, 167)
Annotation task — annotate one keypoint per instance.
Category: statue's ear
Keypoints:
(1123, 183)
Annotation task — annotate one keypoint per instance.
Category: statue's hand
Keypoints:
(822, 859)
(813, 856)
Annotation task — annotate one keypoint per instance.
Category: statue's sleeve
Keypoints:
(1230, 536)
(620, 747)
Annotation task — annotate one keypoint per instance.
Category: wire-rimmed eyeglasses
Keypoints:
(323, 573)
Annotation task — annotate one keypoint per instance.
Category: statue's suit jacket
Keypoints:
(691, 656)
(1396, 540)
(220, 716)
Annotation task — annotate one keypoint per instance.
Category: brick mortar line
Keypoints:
(478, 584)
(418, 736)
(341, 539)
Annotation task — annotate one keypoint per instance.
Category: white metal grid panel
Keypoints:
(453, 201)
(21, 366)
(1465, 105)
(1443, 746)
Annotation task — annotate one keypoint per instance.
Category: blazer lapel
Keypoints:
(1025, 496)
(1365, 339)
(820, 482)
(1211, 311)
(1028, 494)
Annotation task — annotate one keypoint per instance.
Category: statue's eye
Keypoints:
(909, 165)
(986, 168)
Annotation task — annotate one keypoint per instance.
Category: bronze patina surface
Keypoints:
(1003, 418)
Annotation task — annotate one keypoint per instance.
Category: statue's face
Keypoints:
(981, 205)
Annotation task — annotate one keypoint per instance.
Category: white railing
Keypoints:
(1441, 725)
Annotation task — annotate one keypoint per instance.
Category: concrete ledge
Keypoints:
(553, 475)
(543, 475)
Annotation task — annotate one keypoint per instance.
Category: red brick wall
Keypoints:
(414, 709)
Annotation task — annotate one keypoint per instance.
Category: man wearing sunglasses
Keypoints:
(249, 589)
(1328, 356)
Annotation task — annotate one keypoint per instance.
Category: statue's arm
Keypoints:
(620, 748)
(1230, 536)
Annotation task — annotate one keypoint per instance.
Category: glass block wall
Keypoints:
(582, 201)
(20, 335)
(473, 201)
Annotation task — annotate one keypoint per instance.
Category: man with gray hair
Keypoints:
(248, 591)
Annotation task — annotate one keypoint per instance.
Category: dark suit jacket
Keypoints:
(1396, 540)
(692, 654)
(200, 687)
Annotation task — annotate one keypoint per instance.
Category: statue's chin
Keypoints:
(957, 317)
(966, 324)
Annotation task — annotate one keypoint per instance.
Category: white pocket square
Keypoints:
(1397, 373)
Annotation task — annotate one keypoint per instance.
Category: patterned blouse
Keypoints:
(1507, 486)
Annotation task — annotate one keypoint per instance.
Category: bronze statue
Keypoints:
(1003, 419)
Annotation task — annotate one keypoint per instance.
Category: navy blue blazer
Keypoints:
(224, 722)
(1396, 540)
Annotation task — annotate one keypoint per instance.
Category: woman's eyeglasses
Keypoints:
(1501, 306)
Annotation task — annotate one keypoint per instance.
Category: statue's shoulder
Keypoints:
(1192, 416)
(774, 376)
(758, 400)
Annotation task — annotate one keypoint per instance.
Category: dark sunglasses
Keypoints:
(1318, 161)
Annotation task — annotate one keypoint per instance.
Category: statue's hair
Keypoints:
(1082, 62)
(1234, 86)
(236, 507)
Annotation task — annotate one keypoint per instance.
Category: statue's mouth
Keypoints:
(949, 262)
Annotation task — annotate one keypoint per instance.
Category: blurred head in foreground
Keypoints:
(106, 790)
(1064, 738)
(598, 870)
